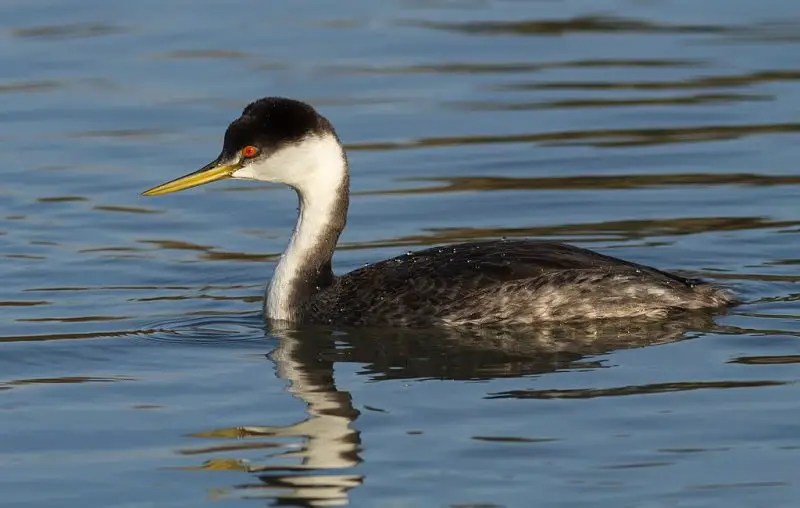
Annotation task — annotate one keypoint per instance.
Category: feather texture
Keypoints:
(504, 282)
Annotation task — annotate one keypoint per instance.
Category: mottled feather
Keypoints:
(505, 281)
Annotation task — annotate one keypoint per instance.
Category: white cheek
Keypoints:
(278, 168)
(315, 163)
(247, 173)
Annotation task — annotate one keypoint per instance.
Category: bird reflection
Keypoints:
(324, 465)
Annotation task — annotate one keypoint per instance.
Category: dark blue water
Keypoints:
(134, 367)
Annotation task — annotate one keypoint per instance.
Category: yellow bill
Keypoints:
(210, 173)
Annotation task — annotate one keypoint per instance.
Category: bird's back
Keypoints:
(504, 282)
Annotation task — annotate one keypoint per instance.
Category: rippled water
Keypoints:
(134, 367)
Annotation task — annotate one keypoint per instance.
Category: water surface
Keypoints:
(135, 369)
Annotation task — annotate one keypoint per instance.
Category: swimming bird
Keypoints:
(494, 282)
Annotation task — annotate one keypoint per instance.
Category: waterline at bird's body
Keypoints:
(497, 282)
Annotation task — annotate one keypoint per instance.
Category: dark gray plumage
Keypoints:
(502, 282)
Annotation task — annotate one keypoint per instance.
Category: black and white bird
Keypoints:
(495, 282)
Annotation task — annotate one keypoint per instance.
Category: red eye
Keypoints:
(249, 151)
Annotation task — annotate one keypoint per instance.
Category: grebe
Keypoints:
(496, 282)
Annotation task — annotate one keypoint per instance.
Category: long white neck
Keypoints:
(317, 170)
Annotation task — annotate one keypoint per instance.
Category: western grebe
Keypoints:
(498, 282)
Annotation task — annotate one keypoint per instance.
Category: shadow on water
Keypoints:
(653, 180)
(578, 24)
(621, 230)
(762, 31)
(597, 138)
(314, 461)
(508, 67)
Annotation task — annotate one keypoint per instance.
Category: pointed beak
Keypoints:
(210, 173)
